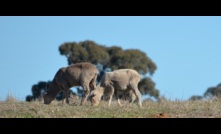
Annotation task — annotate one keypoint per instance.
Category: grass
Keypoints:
(175, 109)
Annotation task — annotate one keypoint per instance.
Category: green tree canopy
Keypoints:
(147, 86)
(84, 51)
(213, 91)
(136, 59)
(39, 88)
(209, 93)
(196, 97)
(113, 57)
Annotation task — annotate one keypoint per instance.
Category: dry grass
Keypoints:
(10, 98)
(172, 109)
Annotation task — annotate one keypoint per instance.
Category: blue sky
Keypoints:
(186, 49)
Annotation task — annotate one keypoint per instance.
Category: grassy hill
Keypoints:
(172, 109)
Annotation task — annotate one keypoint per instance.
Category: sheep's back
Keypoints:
(120, 78)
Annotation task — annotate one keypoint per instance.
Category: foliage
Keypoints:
(195, 97)
(213, 91)
(147, 86)
(84, 51)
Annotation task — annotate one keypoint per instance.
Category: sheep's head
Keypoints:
(47, 98)
(95, 98)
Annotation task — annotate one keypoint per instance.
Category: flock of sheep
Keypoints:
(85, 74)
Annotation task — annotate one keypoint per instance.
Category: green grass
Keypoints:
(175, 109)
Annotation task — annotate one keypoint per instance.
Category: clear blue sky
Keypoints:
(186, 49)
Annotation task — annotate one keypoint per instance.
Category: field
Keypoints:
(161, 109)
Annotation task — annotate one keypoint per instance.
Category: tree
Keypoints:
(39, 89)
(147, 86)
(195, 97)
(137, 60)
(112, 58)
(213, 92)
(84, 51)
(29, 98)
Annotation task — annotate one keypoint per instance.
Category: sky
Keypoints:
(186, 49)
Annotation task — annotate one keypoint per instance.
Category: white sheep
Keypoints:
(122, 80)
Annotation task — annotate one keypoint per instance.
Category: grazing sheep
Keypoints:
(80, 74)
(122, 80)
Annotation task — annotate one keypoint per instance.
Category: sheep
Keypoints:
(122, 80)
(80, 74)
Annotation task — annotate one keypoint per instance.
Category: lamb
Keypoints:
(80, 74)
(122, 80)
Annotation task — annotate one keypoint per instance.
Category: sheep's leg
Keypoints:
(61, 90)
(138, 95)
(66, 96)
(86, 93)
(118, 99)
(132, 97)
(111, 95)
(65, 89)
(92, 84)
(63, 98)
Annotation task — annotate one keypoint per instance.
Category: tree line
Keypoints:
(211, 92)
